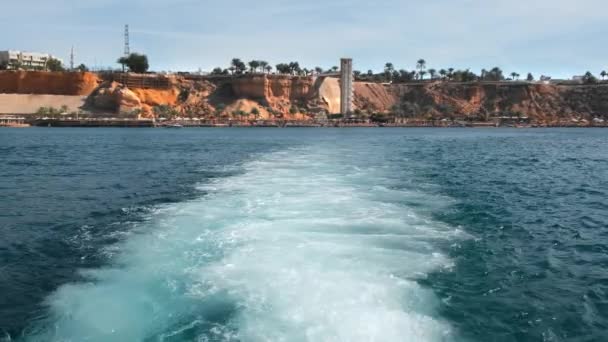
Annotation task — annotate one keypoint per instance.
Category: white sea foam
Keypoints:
(304, 245)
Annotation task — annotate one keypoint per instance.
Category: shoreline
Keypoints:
(178, 124)
(22, 122)
(297, 126)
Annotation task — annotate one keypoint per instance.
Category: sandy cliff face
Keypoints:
(376, 96)
(325, 95)
(51, 83)
(274, 96)
(279, 93)
(149, 98)
(272, 87)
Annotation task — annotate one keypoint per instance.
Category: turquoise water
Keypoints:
(304, 235)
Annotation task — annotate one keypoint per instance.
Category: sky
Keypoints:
(559, 38)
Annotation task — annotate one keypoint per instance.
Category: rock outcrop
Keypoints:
(279, 93)
(540, 102)
(114, 97)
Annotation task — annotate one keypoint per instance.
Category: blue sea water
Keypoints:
(303, 235)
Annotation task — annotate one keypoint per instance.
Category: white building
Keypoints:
(578, 78)
(27, 60)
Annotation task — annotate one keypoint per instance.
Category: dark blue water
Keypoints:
(304, 234)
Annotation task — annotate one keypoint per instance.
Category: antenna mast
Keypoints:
(127, 49)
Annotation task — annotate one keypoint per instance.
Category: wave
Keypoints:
(307, 244)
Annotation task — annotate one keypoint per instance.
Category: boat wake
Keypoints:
(304, 245)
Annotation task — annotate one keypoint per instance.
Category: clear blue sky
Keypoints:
(553, 37)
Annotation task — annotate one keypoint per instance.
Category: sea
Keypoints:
(303, 234)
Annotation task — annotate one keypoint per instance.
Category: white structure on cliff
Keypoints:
(346, 86)
(27, 60)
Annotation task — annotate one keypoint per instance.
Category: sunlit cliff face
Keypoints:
(275, 95)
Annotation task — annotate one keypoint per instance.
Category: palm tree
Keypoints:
(123, 61)
(238, 65)
(496, 74)
(255, 112)
(294, 68)
(421, 64)
(432, 72)
(388, 71)
(268, 68)
(589, 78)
(422, 73)
(254, 65)
(514, 75)
(234, 62)
(450, 73)
(603, 74)
(318, 70)
(484, 72)
(443, 73)
(263, 65)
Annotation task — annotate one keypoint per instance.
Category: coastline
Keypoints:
(128, 123)
(175, 124)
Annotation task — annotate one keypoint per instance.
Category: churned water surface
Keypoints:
(303, 235)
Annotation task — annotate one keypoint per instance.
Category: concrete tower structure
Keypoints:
(72, 58)
(346, 86)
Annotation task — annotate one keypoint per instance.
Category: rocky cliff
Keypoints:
(50, 83)
(114, 97)
(280, 93)
(301, 98)
(540, 102)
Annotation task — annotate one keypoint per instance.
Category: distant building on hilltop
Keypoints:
(27, 60)
(578, 79)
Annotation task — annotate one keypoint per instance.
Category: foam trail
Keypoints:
(304, 245)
